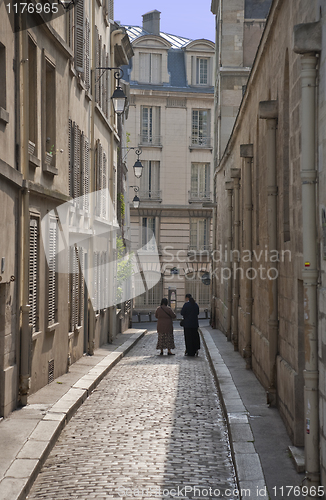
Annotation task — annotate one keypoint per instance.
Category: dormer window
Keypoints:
(202, 71)
(150, 70)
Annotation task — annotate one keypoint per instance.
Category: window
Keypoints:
(33, 273)
(52, 275)
(76, 285)
(79, 165)
(150, 125)
(195, 286)
(102, 82)
(79, 36)
(101, 182)
(150, 68)
(200, 181)
(87, 73)
(150, 180)
(3, 89)
(199, 234)
(154, 293)
(50, 107)
(148, 233)
(32, 92)
(200, 135)
(202, 71)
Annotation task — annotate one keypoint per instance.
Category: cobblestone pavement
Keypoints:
(153, 429)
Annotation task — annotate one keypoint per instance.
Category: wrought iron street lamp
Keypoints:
(119, 98)
(138, 167)
(135, 200)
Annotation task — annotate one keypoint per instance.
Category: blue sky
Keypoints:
(188, 18)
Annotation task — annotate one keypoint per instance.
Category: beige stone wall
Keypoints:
(267, 82)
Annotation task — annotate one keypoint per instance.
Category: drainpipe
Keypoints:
(246, 152)
(91, 315)
(25, 343)
(236, 175)
(268, 111)
(229, 188)
(308, 42)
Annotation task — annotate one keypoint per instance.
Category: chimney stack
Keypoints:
(151, 22)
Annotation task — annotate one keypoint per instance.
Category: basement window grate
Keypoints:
(51, 371)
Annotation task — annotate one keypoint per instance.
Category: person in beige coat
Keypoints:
(165, 316)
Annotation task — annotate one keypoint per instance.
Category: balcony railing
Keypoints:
(147, 140)
(199, 196)
(200, 142)
(150, 195)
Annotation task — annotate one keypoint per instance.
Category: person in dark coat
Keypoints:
(190, 312)
(165, 316)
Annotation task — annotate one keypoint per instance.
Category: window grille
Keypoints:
(153, 295)
(195, 286)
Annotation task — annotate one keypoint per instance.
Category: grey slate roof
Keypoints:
(257, 9)
(176, 64)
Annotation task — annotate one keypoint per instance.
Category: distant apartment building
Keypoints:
(171, 120)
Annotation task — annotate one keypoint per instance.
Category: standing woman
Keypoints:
(165, 316)
(190, 311)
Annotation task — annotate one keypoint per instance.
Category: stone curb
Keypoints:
(24, 469)
(246, 460)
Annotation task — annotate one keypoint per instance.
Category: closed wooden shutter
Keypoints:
(144, 67)
(86, 175)
(52, 272)
(81, 285)
(156, 69)
(107, 73)
(97, 65)
(104, 186)
(103, 101)
(87, 54)
(77, 162)
(71, 157)
(101, 71)
(79, 36)
(33, 273)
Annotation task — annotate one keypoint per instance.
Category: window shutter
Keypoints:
(104, 80)
(77, 162)
(104, 186)
(33, 272)
(194, 178)
(157, 123)
(81, 285)
(52, 271)
(97, 64)
(193, 70)
(144, 67)
(156, 65)
(71, 158)
(100, 89)
(77, 284)
(95, 274)
(144, 180)
(73, 288)
(86, 175)
(87, 54)
(155, 176)
(79, 36)
(107, 103)
(193, 233)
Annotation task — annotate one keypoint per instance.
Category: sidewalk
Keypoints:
(29, 433)
(257, 433)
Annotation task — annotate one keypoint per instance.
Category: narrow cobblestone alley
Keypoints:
(153, 428)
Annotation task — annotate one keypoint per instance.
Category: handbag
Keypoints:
(182, 322)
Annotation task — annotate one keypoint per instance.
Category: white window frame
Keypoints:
(199, 233)
(200, 127)
(150, 125)
(200, 181)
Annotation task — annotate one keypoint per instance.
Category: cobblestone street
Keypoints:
(153, 428)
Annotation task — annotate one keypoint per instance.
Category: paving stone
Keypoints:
(153, 423)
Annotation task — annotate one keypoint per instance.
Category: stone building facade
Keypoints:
(59, 142)
(269, 244)
(171, 120)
